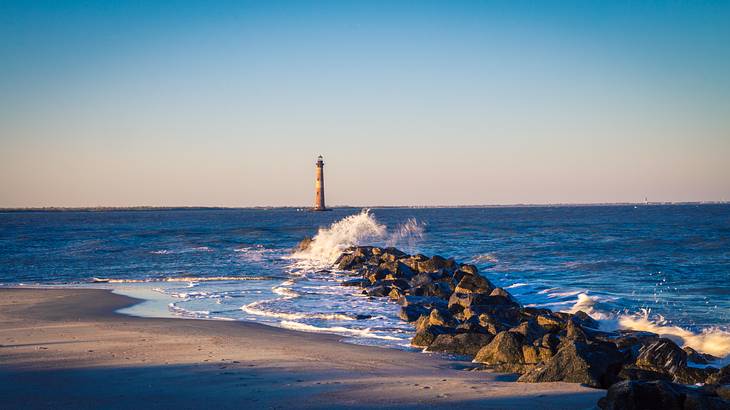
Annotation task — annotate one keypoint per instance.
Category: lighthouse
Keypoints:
(319, 186)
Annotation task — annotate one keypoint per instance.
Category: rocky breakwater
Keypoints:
(457, 310)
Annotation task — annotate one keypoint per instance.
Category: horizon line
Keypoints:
(266, 207)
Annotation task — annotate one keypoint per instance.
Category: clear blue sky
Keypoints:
(411, 103)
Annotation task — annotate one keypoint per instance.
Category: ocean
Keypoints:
(662, 268)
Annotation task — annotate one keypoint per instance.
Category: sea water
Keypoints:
(660, 268)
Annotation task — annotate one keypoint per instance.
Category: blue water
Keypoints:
(661, 266)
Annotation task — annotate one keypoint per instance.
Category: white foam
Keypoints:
(366, 333)
(714, 341)
(255, 308)
(352, 230)
(516, 285)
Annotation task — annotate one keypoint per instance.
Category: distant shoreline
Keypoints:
(267, 208)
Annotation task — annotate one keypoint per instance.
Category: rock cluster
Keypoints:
(457, 310)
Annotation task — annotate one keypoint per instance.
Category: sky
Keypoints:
(150, 103)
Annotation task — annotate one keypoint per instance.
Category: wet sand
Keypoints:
(66, 348)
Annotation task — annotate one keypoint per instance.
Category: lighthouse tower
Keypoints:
(319, 186)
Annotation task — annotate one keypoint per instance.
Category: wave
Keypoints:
(255, 309)
(183, 279)
(714, 341)
(485, 257)
(358, 229)
(365, 333)
(352, 230)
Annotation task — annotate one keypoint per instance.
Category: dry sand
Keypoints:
(66, 348)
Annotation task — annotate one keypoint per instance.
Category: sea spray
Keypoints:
(358, 229)
(714, 340)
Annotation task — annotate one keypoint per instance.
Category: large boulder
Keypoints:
(426, 332)
(474, 284)
(593, 364)
(642, 395)
(662, 356)
(467, 344)
(506, 347)
(436, 263)
(721, 377)
(659, 395)
(411, 313)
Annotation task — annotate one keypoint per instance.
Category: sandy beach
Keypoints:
(67, 348)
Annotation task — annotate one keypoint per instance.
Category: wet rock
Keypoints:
(697, 357)
(377, 291)
(631, 341)
(529, 330)
(662, 356)
(421, 279)
(441, 317)
(474, 284)
(346, 261)
(506, 347)
(721, 377)
(470, 269)
(583, 319)
(637, 373)
(411, 313)
(594, 364)
(659, 394)
(550, 323)
(426, 333)
(463, 343)
(641, 395)
(356, 282)
(723, 392)
(693, 375)
(435, 263)
(573, 331)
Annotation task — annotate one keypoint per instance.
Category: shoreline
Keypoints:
(113, 360)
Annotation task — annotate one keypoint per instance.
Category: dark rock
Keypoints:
(411, 313)
(550, 323)
(506, 347)
(499, 296)
(435, 263)
(474, 284)
(356, 282)
(593, 364)
(346, 261)
(463, 343)
(637, 373)
(662, 356)
(421, 279)
(377, 291)
(427, 301)
(721, 377)
(696, 357)
(723, 392)
(693, 375)
(426, 332)
(631, 341)
(574, 331)
(470, 269)
(583, 319)
(641, 395)
(529, 330)
(441, 317)
(659, 394)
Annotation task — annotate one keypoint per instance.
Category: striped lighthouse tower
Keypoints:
(319, 186)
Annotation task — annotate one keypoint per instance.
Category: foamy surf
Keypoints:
(358, 229)
(714, 341)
